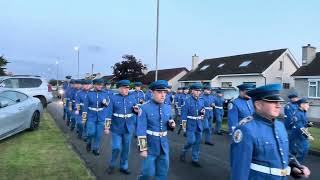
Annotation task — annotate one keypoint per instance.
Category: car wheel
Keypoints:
(35, 121)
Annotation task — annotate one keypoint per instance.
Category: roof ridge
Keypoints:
(245, 54)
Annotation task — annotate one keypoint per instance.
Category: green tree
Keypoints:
(3, 63)
(129, 68)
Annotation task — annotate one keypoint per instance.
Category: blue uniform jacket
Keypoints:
(65, 86)
(94, 100)
(192, 107)
(73, 95)
(169, 98)
(260, 141)
(182, 99)
(218, 102)
(239, 109)
(67, 97)
(300, 120)
(149, 95)
(121, 105)
(109, 92)
(154, 117)
(289, 109)
(138, 96)
(80, 99)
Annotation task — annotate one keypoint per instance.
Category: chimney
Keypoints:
(308, 54)
(145, 71)
(195, 62)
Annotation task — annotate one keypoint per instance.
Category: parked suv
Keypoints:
(34, 86)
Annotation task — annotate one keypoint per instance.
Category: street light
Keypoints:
(57, 63)
(76, 48)
(157, 39)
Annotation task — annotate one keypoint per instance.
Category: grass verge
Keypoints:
(40, 154)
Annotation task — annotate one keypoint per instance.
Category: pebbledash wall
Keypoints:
(302, 87)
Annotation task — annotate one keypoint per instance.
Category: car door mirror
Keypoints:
(4, 104)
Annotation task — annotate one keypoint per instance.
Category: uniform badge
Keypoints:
(230, 106)
(237, 136)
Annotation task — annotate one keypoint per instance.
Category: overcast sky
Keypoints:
(34, 34)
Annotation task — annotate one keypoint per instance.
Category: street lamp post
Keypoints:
(57, 63)
(76, 48)
(157, 39)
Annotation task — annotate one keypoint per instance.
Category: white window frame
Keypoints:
(317, 81)
(245, 63)
(221, 65)
(204, 67)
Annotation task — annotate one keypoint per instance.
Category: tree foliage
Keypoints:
(3, 63)
(129, 68)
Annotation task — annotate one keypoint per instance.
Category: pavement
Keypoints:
(215, 159)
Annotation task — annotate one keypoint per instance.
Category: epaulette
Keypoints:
(245, 120)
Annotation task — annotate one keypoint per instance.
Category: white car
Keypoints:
(34, 86)
(18, 112)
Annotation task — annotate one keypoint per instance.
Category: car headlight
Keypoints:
(61, 91)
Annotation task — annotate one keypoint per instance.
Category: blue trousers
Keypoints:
(155, 166)
(80, 126)
(73, 119)
(207, 128)
(218, 116)
(65, 112)
(95, 131)
(120, 142)
(193, 141)
(299, 148)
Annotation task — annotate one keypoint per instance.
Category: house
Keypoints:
(259, 68)
(107, 78)
(171, 75)
(307, 79)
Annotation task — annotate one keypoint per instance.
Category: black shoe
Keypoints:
(196, 164)
(125, 171)
(96, 152)
(88, 147)
(182, 158)
(110, 170)
(68, 123)
(209, 143)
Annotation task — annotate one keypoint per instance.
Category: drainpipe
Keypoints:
(265, 79)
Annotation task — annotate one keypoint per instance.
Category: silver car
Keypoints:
(18, 112)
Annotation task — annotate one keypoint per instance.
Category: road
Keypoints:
(213, 158)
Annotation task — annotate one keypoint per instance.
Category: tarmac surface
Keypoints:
(215, 159)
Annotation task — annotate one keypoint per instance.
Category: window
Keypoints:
(21, 97)
(204, 67)
(29, 82)
(253, 83)
(221, 65)
(280, 65)
(286, 85)
(11, 83)
(314, 89)
(10, 96)
(244, 63)
(9, 101)
(226, 84)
